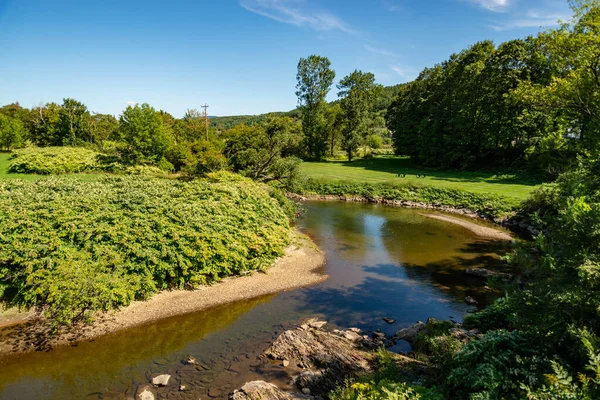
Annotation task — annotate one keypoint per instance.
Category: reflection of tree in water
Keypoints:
(340, 223)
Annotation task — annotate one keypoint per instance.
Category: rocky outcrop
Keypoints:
(409, 334)
(261, 390)
(322, 358)
(318, 361)
(486, 273)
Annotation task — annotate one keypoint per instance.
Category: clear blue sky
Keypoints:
(239, 56)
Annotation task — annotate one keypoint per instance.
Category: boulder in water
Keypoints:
(161, 380)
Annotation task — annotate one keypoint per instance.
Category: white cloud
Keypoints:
(391, 5)
(381, 52)
(405, 73)
(131, 103)
(295, 13)
(532, 19)
(492, 5)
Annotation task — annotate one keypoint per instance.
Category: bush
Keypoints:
(437, 342)
(53, 160)
(72, 247)
(384, 383)
(497, 366)
(384, 390)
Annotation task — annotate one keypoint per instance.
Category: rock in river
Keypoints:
(260, 390)
(161, 380)
(471, 301)
(409, 334)
(145, 393)
(327, 358)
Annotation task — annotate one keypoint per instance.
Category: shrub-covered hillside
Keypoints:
(53, 160)
(73, 247)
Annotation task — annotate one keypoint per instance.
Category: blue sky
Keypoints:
(239, 56)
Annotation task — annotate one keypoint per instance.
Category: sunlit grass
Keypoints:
(385, 169)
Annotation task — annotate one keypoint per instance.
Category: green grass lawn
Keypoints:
(4, 174)
(385, 169)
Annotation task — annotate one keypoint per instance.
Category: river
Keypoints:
(381, 261)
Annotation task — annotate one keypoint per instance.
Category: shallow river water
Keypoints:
(381, 261)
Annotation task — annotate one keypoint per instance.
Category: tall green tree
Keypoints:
(12, 132)
(46, 125)
(145, 133)
(314, 80)
(73, 123)
(102, 127)
(358, 91)
(334, 119)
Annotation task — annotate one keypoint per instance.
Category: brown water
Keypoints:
(382, 261)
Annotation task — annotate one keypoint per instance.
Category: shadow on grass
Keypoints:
(404, 165)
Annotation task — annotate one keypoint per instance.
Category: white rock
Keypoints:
(161, 380)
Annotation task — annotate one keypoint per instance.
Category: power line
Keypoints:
(205, 115)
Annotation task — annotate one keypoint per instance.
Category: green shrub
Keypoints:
(384, 390)
(72, 247)
(384, 383)
(498, 365)
(53, 160)
(498, 315)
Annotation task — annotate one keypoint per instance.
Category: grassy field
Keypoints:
(4, 174)
(385, 169)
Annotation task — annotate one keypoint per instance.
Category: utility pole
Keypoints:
(205, 115)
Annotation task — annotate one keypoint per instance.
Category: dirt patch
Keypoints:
(300, 266)
(478, 229)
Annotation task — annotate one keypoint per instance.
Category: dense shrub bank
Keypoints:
(492, 205)
(71, 247)
(53, 160)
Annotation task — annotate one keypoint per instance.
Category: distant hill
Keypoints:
(228, 122)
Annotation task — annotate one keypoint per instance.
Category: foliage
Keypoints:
(71, 248)
(552, 350)
(437, 342)
(12, 132)
(53, 160)
(497, 365)
(533, 102)
(358, 91)
(257, 151)
(384, 390)
(384, 384)
(147, 138)
(314, 78)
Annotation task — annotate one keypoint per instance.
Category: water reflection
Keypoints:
(382, 261)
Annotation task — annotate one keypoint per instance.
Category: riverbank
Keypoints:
(506, 219)
(300, 266)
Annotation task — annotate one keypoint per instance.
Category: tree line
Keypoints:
(528, 102)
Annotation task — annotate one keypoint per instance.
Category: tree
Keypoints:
(144, 132)
(45, 125)
(102, 127)
(73, 123)
(255, 150)
(334, 119)
(12, 132)
(358, 91)
(314, 78)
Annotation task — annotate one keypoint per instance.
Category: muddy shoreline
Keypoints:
(301, 266)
